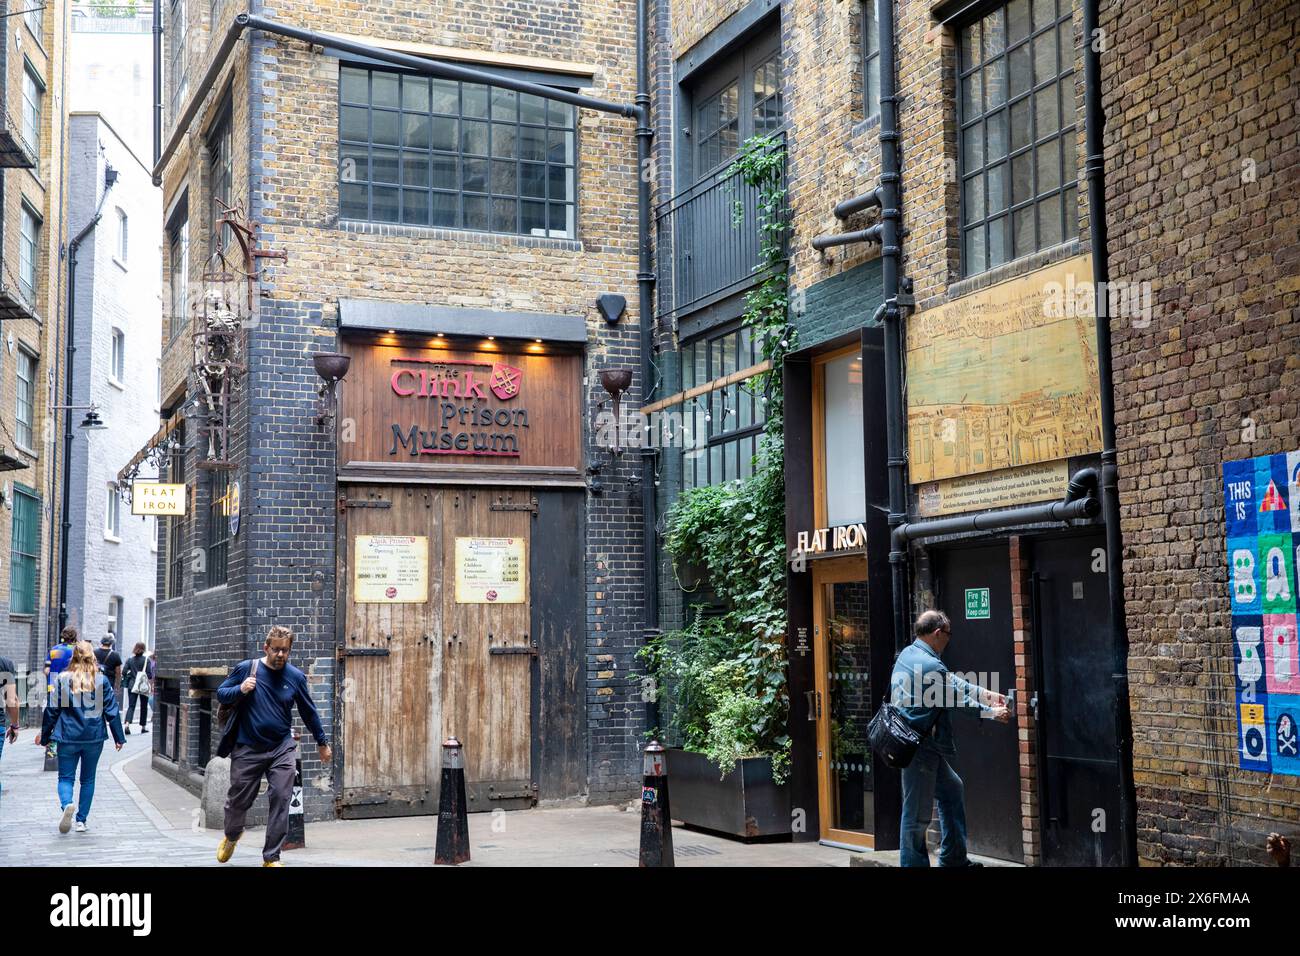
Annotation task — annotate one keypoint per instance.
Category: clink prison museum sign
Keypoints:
(454, 399)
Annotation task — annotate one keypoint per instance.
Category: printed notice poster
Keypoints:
(490, 571)
(390, 569)
(1261, 499)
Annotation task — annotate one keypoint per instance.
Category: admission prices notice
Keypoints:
(390, 569)
(490, 571)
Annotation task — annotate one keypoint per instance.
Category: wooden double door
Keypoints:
(416, 672)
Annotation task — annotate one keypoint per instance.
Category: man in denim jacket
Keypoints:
(926, 691)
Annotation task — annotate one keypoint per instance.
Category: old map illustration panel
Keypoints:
(1004, 377)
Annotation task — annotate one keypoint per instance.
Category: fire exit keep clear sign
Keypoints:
(977, 604)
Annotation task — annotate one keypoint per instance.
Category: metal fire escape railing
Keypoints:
(708, 242)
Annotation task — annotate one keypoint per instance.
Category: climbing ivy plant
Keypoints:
(725, 672)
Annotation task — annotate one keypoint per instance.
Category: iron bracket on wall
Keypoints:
(502, 504)
(345, 503)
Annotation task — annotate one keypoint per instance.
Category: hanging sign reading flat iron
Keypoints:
(154, 498)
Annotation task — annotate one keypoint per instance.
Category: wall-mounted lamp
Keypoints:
(92, 419)
(331, 367)
(611, 307)
(615, 381)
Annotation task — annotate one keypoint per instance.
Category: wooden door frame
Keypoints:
(840, 570)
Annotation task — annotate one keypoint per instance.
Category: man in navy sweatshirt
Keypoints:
(265, 691)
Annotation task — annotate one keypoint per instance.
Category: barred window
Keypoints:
(220, 178)
(218, 526)
(721, 429)
(176, 526)
(178, 272)
(1016, 108)
(432, 152)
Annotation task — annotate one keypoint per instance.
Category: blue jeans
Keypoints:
(928, 778)
(69, 756)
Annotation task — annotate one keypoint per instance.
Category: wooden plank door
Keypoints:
(392, 660)
(488, 654)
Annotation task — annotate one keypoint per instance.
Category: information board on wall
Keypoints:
(490, 571)
(1261, 497)
(390, 569)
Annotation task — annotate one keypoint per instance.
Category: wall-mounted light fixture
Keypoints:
(611, 307)
(92, 419)
(331, 367)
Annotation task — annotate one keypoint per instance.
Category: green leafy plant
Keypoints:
(725, 673)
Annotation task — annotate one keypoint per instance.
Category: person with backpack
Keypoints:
(81, 710)
(256, 716)
(137, 679)
(926, 692)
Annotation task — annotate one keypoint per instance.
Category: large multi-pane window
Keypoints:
(735, 99)
(178, 272)
(221, 173)
(23, 551)
(431, 152)
(1019, 180)
(29, 231)
(721, 429)
(871, 57)
(218, 526)
(33, 94)
(26, 397)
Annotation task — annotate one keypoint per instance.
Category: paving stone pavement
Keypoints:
(142, 818)
(120, 832)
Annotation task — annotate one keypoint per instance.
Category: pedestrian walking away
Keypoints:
(926, 692)
(78, 716)
(110, 662)
(137, 679)
(60, 656)
(257, 735)
(9, 694)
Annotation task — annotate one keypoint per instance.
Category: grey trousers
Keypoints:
(247, 767)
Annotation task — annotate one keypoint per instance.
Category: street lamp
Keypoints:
(92, 419)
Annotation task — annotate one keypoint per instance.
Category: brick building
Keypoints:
(33, 144)
(115, 368)
(1005, 386)
(451, 239)
(1202, 119)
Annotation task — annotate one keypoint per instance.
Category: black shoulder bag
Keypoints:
(892, 738)
(228, 718)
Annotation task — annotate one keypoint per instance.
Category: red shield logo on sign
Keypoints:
(505, 381)
(491, 595)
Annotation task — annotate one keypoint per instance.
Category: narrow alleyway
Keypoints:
(140, 818)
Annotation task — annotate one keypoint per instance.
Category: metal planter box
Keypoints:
(745, 802)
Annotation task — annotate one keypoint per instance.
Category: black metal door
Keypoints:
(1078, 778)
(988, 752)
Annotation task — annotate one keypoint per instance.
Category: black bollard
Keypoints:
(297, 838)
(656, 825)
(453, 810)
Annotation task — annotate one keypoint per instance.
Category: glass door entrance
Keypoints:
(844, 700)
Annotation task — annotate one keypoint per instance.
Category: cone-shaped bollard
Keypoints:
(297, 838)
(656, 826)
(453, 810)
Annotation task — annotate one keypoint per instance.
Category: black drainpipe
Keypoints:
(1094, 171)
(890, 256)
(157, 79)
(645, 278)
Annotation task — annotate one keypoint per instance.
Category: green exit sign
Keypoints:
(977, 604)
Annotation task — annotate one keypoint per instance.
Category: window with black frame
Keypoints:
(218, 526)
(871, 58)
(178, 271)
(1017, 149)
(432, 152)
(721, 429)
(176, 524)
(732, 100)
(220, 178)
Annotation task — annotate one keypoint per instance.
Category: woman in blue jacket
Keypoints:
(80, 706)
